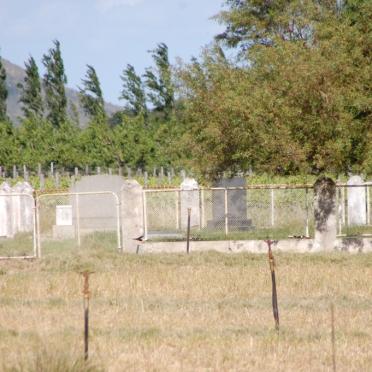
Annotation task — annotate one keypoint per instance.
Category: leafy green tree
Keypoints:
(133, 143)
(31, 98)
(54, 84)
(97, 144)
(3, 92)
(8, 148)
(35, 138)
(91, 96)
(133, 91)
(293, 107)
(159, 80)
(66, 146)
(252, 22)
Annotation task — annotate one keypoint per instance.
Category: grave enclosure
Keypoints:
(113, 211)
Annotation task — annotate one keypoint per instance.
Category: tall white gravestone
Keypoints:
(356, 202)
(5, 211)
(27, 208)
(16, 208)
(190, 198)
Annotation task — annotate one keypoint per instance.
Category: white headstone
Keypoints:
(5, 211)
(27, 208)
(190, 198)
(356, 202)
(16, 208)
(64, 215)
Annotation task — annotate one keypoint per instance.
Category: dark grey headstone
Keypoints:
(325, 214)
(236, 205)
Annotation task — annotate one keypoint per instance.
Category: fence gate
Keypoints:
(73, 220)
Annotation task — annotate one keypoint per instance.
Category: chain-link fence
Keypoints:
(93, 219)
(254, 212)
(241, 213)
(70, 220)
(17, 226)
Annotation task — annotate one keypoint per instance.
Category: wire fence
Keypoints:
(47, 222)
(232, 212)
(251, 212)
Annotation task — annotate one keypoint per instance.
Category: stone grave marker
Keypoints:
(97, 212)
(27, 208)
(64, 227)
(5, 211)
(325, 214)
(64, 215)
(356, 202)
(236, 205)
(190, 198)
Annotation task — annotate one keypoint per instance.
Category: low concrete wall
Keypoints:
(352, 245)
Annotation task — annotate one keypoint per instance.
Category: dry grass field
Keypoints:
(202, 312)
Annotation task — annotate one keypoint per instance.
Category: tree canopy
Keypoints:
(293, 97)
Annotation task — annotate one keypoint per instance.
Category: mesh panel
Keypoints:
(78, 220)
(235, 213)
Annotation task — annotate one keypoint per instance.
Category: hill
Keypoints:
(16, 74)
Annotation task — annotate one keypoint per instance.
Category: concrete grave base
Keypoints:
(63, 232)
(352, 245)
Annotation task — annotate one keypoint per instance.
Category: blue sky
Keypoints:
(107, 34)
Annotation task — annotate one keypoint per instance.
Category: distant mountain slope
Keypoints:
(16, 74)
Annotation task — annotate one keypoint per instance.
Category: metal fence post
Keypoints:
(340, 210)
(226, 215)
(118, 222)
(272, 208)
(307, 233)
(178, 206)
(34, 226)
(38, 253)
(201, 212)
(77, 220)
(144, 214)
(188, 230)
(368, 205)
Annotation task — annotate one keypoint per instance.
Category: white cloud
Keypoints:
(106, 5)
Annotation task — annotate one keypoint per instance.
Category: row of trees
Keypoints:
(136, 136)
(294, 98)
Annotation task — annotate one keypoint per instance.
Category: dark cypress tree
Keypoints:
(133, 91)
(91, 97)
(54, 84)
(159, 81)
(3, 92)
(31, 99)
